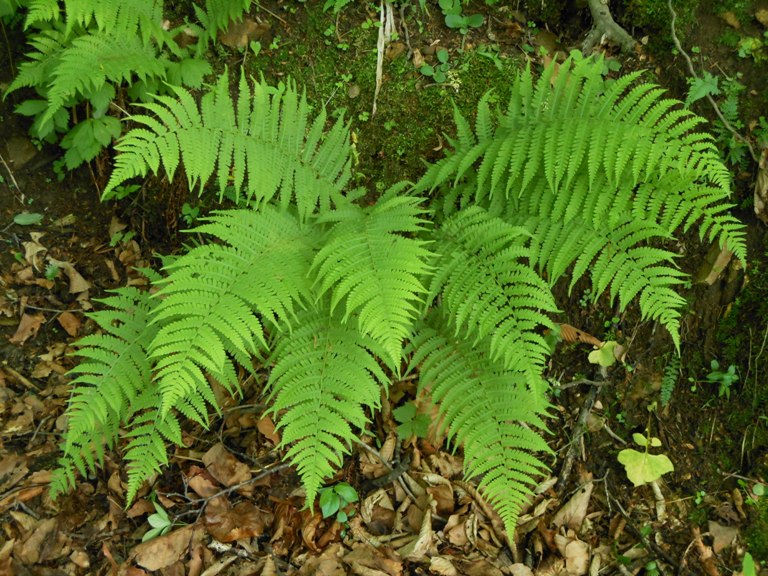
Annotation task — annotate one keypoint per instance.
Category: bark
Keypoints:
(606, 28)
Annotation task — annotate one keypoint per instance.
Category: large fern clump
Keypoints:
(577, 176)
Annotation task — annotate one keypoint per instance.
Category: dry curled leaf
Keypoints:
(571, 335)
(27, 328)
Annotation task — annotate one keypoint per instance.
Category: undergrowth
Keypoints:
(449, 278)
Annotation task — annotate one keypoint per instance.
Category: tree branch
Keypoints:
(606, 27)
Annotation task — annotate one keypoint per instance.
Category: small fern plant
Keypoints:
(86, 53)
(336, 299)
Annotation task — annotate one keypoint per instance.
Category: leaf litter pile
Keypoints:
(228, 505)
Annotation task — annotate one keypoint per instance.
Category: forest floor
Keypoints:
(235, 509)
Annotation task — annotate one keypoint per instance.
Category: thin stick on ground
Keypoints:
(693, 73)
(578, 432)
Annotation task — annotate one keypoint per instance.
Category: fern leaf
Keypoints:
(93, 60)
(261, 141)
(492, 412)
(325, 377)
(109, 383)
(489, 290)
(371, 265)
(210, 300)
(146, 452)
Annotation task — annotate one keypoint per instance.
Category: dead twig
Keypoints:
(578, 432)
(648, 543)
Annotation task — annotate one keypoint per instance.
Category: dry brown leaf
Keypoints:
(13, 468)
(762, 16)
(723, 536)
(730, 19)
(164, 551)
(480, 567)
(419, 546)
(224, 467)
(364, 558)
(238, 523)
(5, 558)
(573, 512)
(575, 552)
(23, 495)
(518, 569)
(571, 335)
(240, 34)
(443, 566)
(34, 251)
(29, 325)
(266, 426)
(327, 564)
(77, 283)
(45, 543)
(201, 482)
(70, 323)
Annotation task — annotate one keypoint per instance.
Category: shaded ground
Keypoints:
(52, 271)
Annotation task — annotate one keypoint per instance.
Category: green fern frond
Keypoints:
(42, 12)
(585, 138)
(491, 411)
(325, 377)
(264, 142)
(490, 291)
(598, 173)
(369, 263)
(137, 18)
(209, 302)
(62, 71)
(146, 452)
(109, 385)
(219, 13)
(669, 379)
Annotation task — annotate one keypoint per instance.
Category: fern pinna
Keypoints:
(577, 175)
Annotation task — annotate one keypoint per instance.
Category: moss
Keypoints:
(757, 534)
(413, 113)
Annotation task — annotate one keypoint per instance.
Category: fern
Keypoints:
(211, 298)
(367, 262)
(489, 410)
(110, 383)
(669, 379)
(597, 173)
(324, 377)
(224, 137)
(576, 177)
(488, 290)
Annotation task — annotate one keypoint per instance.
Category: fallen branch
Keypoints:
(606, 28)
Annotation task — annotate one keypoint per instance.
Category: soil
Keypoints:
(716, 438)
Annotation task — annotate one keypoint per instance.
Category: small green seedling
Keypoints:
(456, 20)
(724, 379)
(160, 522)
(27, 219)
(438, 72)
(334, 500)
(605, 355)
(748, 566)
(51, 272)
(643, 467)
(411, 423)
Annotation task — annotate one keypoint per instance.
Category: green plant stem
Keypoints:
(711, 100)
